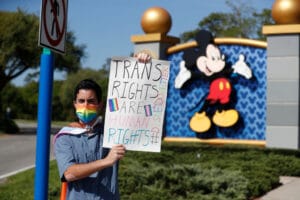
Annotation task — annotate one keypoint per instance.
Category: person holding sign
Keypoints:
(90, 170)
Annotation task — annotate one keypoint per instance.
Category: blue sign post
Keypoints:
(44, 126)
(52, 36)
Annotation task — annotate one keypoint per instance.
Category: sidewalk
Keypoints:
(290, 190)
(31, 127)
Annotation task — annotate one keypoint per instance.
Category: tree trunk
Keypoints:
(3, 82)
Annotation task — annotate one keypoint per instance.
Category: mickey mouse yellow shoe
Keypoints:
(225, 118)
(200, 122)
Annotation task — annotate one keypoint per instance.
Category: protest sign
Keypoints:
(136, 101)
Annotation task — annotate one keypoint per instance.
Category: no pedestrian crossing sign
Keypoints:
(53, 24)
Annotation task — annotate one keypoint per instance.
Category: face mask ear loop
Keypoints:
(96, 122)
(90, 128)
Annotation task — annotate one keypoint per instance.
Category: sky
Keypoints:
(105, 27)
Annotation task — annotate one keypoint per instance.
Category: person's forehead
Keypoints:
(86, 93)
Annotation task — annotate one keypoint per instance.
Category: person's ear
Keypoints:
(74, 104)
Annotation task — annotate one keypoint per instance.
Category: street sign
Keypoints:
(53, 24)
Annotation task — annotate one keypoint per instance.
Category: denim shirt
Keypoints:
(84, 148)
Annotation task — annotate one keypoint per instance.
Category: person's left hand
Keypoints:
(143, 57)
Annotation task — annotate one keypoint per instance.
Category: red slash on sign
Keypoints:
(55, 24)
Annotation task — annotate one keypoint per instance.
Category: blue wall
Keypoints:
(250, 98)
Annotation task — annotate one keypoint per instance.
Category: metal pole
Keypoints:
(43, 126)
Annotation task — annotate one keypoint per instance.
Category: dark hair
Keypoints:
(88, 84)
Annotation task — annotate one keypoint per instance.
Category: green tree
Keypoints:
(243, 21)
(263, 18)
(23, 101)
(29, 95)
(19, 50)
(13, 100)
(57, 105)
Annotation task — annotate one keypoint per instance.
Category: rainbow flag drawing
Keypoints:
(148, 110)
(113, 104)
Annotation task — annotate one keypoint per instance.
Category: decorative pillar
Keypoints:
(283, 75)
(156, 23)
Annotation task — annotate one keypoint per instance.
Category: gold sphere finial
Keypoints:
(156, 20)
(286, 11)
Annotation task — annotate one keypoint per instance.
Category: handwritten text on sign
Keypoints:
(136, 101)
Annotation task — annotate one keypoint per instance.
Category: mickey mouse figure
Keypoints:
(211, 65)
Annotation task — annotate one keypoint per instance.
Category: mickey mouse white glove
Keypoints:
(183, 75)
(240, 67)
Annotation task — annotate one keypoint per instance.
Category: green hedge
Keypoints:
(197, 171)
(8, 126)
(184, 171)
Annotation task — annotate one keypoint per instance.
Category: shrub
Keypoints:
(8, 126)
(190, 171)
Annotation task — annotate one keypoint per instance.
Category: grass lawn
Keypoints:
(184, 171)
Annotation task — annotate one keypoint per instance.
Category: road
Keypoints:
(17, 151)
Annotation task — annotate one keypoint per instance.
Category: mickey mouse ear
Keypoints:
(204, 37)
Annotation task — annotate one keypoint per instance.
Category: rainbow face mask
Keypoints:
(86, 114)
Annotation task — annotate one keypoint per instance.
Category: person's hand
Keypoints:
(116, 153)
(143, 57)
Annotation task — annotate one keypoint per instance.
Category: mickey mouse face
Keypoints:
(213, 62)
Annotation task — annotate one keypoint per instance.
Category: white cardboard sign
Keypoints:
(136, 101)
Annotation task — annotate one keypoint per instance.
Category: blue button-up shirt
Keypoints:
(84, 148)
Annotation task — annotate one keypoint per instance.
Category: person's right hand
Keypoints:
(116, 153)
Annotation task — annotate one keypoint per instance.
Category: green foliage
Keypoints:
(21, 186)
(19, 52)
(30, 94)
(12, 98)
(194, 171)
(57, 105)
(184, 171)
(243, 22)
(182, 181)
(8, 126)
(23, 101)
(19, 38)
(70, 62)
(18, 42)
(263, 18)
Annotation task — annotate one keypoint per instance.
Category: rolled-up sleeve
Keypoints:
(63, 152)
